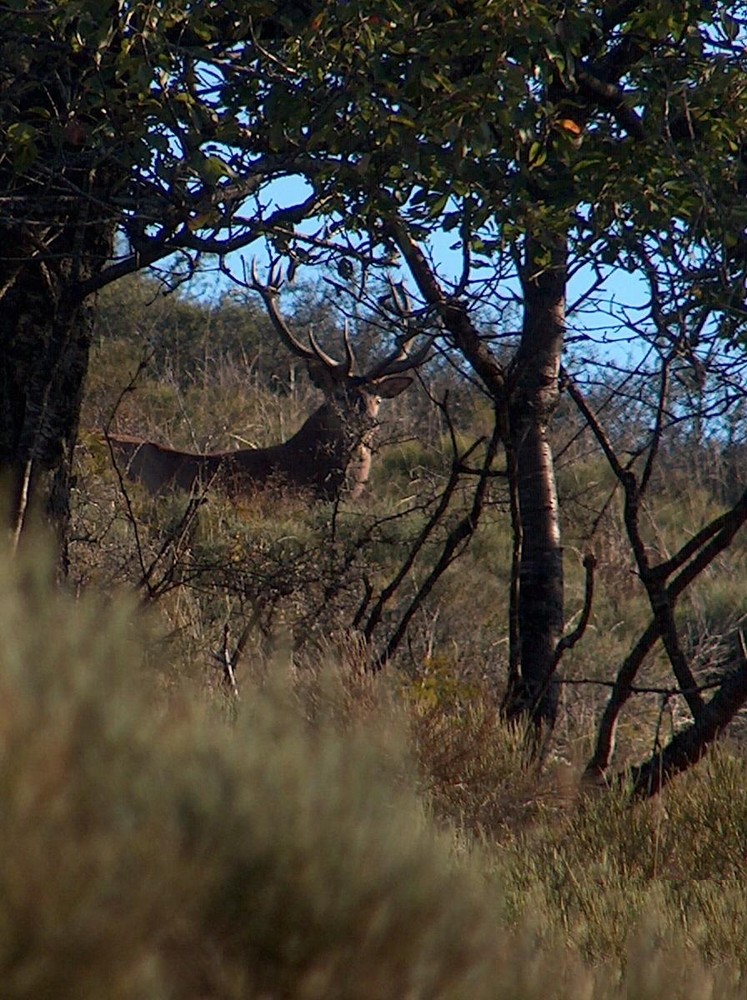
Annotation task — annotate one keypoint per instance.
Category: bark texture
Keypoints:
(534, 397)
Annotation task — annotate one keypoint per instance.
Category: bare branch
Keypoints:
(391, 588)
(730, 521)
(230, 660)
(458, 536)
(452, 313)
(689, 745)
(569, 641)
(658, 595)
(156, 249)
(655, 444)
(712, 545)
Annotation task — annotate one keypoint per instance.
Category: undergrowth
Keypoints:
(341, 837)
(331, 832)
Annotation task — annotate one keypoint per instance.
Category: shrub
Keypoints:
(151, 852)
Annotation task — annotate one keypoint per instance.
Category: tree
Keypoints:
(549, 142)
(142, 118)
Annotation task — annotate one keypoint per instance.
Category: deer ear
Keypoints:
(392, 386)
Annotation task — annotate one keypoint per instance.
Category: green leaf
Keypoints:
(211, 169)
(537, 155)
(22, 140)
(438, 206)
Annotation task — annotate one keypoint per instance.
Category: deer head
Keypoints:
(348, 419)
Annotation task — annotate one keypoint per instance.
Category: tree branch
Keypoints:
(689, 745)
(569, 641)
(452, 312)
(612, 97)
(656, 590)
(712, 544)
(462, 532)
(387, 593)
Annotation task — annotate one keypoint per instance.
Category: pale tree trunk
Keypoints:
(534, 397)
(526, 394)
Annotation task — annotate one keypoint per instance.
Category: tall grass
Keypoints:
(344, 835)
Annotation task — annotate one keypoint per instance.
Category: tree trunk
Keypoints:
(56, 232)
(45, 335)
(44, 346)
(534, 398)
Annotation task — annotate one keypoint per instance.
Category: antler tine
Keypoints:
(341, 367)
(401, 360)
(349, 354)
(400, 298)
(274, 284)
(270, 293)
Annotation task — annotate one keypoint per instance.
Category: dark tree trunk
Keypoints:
(44, 343)
(56, 232)
(533, 400)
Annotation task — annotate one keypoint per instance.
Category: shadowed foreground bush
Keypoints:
(148, 850)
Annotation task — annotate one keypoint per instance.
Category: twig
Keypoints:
(461, 533)
(569, 641)
(388, 592)
(639, 688)
(130, 387)
(174, 544)
(656, 590)
(227, 661)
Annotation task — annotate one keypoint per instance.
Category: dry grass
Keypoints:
(146, 848)
(150, 846)
(339, 834)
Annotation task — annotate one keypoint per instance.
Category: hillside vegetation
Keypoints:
(299, 826)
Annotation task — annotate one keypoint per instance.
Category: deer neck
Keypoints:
(337, 442)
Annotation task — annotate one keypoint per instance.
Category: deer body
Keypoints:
(330, 445)
(334, 444)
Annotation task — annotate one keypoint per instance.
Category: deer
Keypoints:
(331, 451)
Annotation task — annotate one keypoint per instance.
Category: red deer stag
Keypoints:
(334, 444)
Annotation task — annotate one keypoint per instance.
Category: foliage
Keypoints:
(148, 97)
(148, 844)
(481, 120)
(148, 848)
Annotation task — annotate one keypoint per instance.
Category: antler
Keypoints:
(401, 360)
(314, 353)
